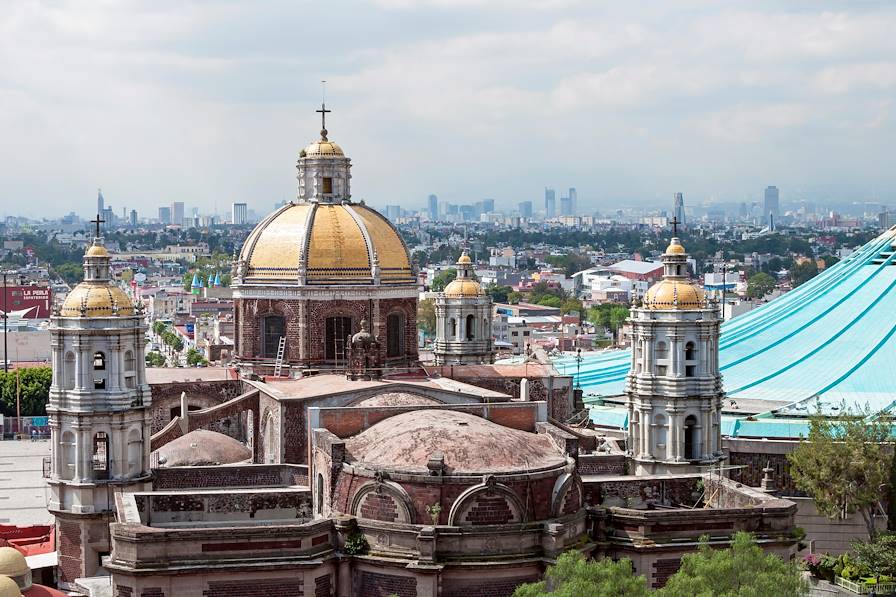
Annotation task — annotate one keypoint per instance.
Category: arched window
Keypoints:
(338, 332)
(394, 335)
(68, 456)
(68, 368)
(471, 327)
(273, 327)
(453, 325)
(100, 459)
(691, 447)
(130, 363)
(135, 453)
(661, 449)
(99, 364)
(661, 351)
(690, 351)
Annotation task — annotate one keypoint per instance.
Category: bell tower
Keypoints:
(324, 171)
(463, 320)
(674, 388)
(98, 411)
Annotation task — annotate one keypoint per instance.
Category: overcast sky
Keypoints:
(210, 102)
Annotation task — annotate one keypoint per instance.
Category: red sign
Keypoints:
(32, 302)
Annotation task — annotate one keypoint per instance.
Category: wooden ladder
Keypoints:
(278, 364)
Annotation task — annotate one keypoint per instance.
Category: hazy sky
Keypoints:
(209, 102)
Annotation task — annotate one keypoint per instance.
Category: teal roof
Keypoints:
(829, 341)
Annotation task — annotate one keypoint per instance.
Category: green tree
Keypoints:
(72, 273)
(878, 555)
(570, 263)
(443, 279)
(609, 316)
(499, 294)
(803, 272)
(155, 358)
(744, 570)
(158, 327)
(759, 285)
(34, 387)
(194, 357)
(514, 297)
(574, 576)
(426, 316)
(844, 465)
(891, 501)
(549, 300)
(571, 305)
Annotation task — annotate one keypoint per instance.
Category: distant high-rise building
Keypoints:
(678, 208)
(565, 206)
(393, 212)
(573, 201)
(771, 207)
(100, 202)
(525, 209)
(108, 218)
(550, 203)
(240, 214)
(133, 220)
(433, 203)
(177, 213)
(488, 206)
(164, 215)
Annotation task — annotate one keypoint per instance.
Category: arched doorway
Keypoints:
(691, 447)
(273, 327)
(471, 327)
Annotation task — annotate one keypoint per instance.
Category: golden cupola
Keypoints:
(465, 284)
(675, 291)
(97, 295)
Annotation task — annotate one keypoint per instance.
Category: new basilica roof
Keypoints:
(334, 243)
(829, 342)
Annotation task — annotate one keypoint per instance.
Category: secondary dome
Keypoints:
(97, 299)
(322, 148)
(469, 444)
(9, 588)
(203, 448)
(12, 562)
(327, 244)
(673, 294)
(463, 288)
(675, 248)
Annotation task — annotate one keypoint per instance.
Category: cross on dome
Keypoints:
(98, 221)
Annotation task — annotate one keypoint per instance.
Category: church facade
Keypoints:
(310, 272)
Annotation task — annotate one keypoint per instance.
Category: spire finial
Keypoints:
(97, 221)
(323, 111)
(675, 224)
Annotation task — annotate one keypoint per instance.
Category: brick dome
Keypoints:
(397, 399)
(202, 448)
(468, 444)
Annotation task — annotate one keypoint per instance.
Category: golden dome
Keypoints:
(97, 251)
(12, 562)
(331, 243)
(100, 299)
(459, 288)
(464, 259)
(8, 587)
(323, 148)
(675, 248)
(671, 294)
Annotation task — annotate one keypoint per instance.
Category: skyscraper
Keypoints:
(550, 203)
(433, 203)
(240, 214)
(565, 206)
(488, 206)
(100, 202)
(771, 207)
(573, 201)
(678, 208)
(164, 215)
(133, 221)
(177, 213)
(525, 209)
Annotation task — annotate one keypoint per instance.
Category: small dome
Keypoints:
(203, 448)
(460, 288)
(464, 259)
(99, 299)
(675, 248)
(671, 294)
(9, 588)
(97, 251)
(12, 562)
(397, 399)
(323, 148)
(469, 444)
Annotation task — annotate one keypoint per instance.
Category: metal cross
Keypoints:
(675, 224)
(323, 110)
(97, 221)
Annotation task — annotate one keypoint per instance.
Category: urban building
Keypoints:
(771, 206)
(678, 209)
(240, 214)
(164, 215)
(566, 206)
(432, 203)
(550, 203)
(525, 209)
(573, 201)
(177, 213)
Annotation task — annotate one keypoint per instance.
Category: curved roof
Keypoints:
(9, 588)
(397, 399)
(830, 339)
(98, 299)
(331, 243)
(202, 448)
(458, 288)
(469, 444)
(323, 148)
(12, 562)
(673, 294)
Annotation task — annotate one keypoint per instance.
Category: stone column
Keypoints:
(674, 448)
(649, 353)
(82, 437)
(646, 452)
(674, 354)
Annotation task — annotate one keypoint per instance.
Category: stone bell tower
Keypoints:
(324, 170)
(463, 320)
(99, 413)
(674, 387)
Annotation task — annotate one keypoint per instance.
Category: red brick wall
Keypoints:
(487, 509)
(228, 476)
(375, 584)
(165, 396)
(281, 587)
(323, 586)
(294, 438)
(663, 570)
(70, 556)
(378, 506)
(124, 591)
(485, 587)
(152, 592)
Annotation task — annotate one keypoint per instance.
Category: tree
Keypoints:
(891, 501)
(609, 316)
(72, 273)
(155, 359)
(571, 305)
(759, 285)
(574, 576)
(743, 570)
(499, 294)
(443, 279)
(878, 555)
(844, 465)
(34, 387)
(514, 297)
(426, 316)
(803, 272)
(194, 357)
(158, 327)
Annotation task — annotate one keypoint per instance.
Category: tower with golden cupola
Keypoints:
(463, 320)
(674, 388)
(99, 412)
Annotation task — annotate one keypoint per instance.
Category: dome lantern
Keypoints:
(324, 171)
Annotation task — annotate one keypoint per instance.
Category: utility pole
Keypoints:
(5, 332)
(18, 405)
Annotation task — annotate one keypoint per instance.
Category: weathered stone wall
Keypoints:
(634, 491)
(205, 477)
(602, 464)
(204, 394)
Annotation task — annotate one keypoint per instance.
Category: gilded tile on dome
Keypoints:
(393, 256)
(276, 252)
(337, 249)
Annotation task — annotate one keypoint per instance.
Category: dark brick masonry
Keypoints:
(281, 587)
(374, 584)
